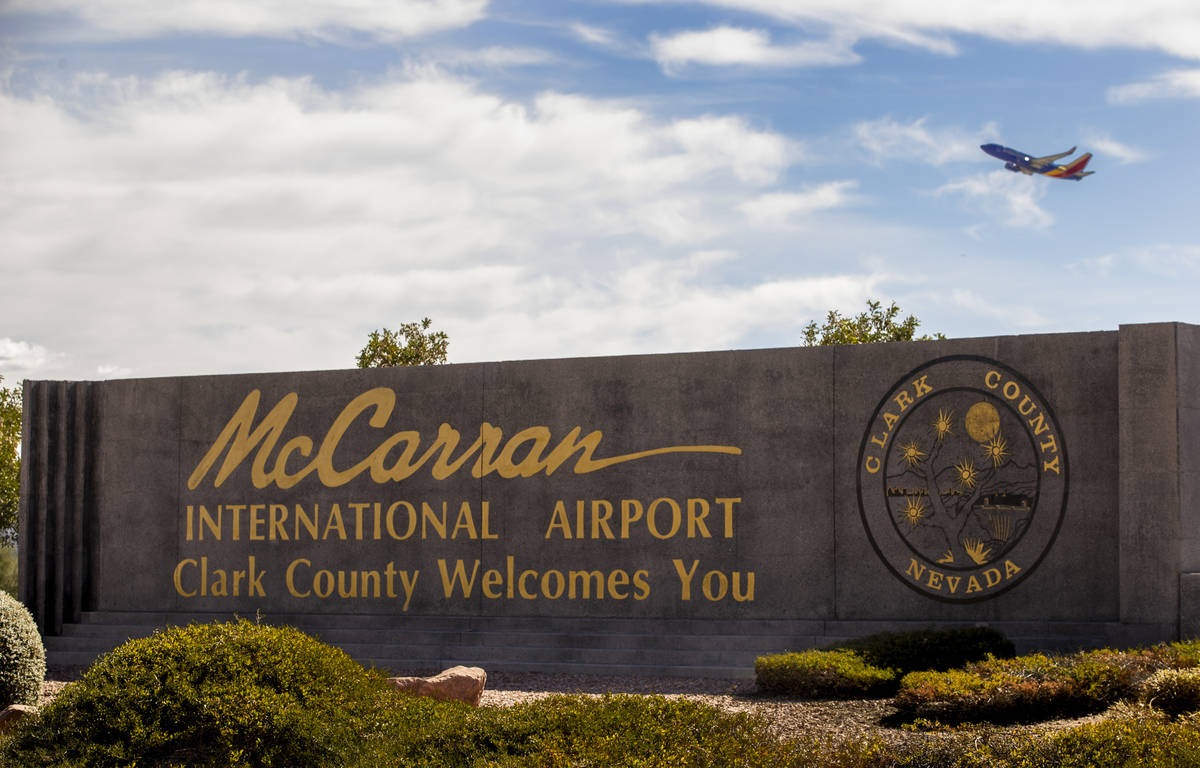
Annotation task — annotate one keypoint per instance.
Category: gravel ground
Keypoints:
(789, 718)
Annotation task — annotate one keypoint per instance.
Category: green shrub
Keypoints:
(1029, 688)
(938, 649)
(873, 665)
(233, 694)
(613, 730)
(1174, 691)
(8, 570)
(22, 656)
(1132, 740)
(822, 674)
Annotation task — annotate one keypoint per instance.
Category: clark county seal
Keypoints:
(962, 478)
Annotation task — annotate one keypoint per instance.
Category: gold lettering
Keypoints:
(675, 518)
(257, 522)
(178, 578)
(240, 437)
(727, 505)
(718, 592)
(289, 577)
(747, 595)
(697, 510)
(334, 522)
(602, 511)
(308, 521)
(585, 579)
(935, 580)
(278, 518)
(921, 387)
(617, 581)
(915, 569)
(641, 584)
(465, 521)
(458, 578)
(558, 519)
(628, 516)
(685, 577)
(391, 520)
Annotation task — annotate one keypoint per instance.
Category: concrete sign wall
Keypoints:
(1042, 484)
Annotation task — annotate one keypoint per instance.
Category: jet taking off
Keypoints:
(1018, 162)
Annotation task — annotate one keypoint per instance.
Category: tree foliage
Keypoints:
(874, 325)
(10, 462)
(410, 344)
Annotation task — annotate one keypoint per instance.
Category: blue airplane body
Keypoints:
(1019, 162)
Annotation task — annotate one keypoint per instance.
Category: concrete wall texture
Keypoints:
(1048, 485)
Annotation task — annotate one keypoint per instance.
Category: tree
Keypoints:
(411, 344)
(873, 325)
(10, 462)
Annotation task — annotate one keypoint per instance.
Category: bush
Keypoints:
(613, 730)
(873, 665)
(1032, 687)
(8, 570)
(938, 649)
(231, 694)
(1130, 739)
(1174, 691)
(822, 674)
(22, 656)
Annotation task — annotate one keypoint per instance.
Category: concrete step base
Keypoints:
(406, 645)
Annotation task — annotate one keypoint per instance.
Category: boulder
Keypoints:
(13, 714)
(463, 684)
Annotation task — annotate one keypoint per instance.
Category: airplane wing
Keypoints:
(1042, 162)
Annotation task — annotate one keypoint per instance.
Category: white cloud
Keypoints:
(494, 57)
(1106, 145)
(195, 222)
(21, 360)
(1007, 198)
(783, 208)
(1176, 84)
(1172, 26)
(1011, 314)
(592, 34)
(888, 139)
(382, 21)
(727, 45)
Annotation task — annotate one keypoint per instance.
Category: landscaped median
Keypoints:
(242, 694)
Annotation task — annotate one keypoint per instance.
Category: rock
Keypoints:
(13, 714)
(455, 684)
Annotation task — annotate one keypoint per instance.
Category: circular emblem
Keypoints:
(962, 478)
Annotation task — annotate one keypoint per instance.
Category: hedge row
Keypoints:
(1039, 686)
(874, 665)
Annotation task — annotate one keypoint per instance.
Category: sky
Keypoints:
(219, 186)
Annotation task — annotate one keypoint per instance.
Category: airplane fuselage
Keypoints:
(1019, 162)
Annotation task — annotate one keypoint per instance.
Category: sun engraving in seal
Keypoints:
(962, 478)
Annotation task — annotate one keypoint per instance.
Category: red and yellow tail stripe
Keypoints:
(1073, 168)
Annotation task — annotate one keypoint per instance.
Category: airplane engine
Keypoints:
(1013, 167)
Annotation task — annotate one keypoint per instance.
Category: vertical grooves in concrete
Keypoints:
(55, 501)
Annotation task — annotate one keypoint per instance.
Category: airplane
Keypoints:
(1019, 162)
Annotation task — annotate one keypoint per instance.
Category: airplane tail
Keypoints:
(1074, 170)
